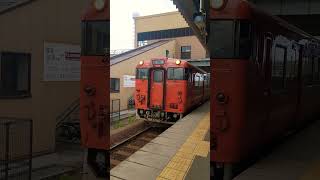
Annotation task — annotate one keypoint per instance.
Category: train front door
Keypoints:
(157, 83)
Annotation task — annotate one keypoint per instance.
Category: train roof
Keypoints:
(281, 22)
(184, 62)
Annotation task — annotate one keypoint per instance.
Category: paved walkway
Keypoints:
(297, 159)
(55, 164)
(172, 154)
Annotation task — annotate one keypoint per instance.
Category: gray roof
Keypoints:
(135, 52)
(6, 5)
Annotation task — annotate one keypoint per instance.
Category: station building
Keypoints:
(159, 35)
(37, 81)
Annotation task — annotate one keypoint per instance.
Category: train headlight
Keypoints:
(178, 62)
(141, 62)
(99, 4)
(217, 4)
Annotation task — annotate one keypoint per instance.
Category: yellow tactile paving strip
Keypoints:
(181, 162)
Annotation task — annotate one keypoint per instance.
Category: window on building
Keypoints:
(114, 85)
(167, 53)
(164, 34)
(185, 52)
(95, 37)
(279, 68)
(15, 74)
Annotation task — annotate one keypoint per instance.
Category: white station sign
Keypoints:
(129, 81)
(61, 62)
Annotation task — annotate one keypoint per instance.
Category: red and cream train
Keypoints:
(167, 88)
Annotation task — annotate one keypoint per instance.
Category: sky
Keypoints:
(122, 24)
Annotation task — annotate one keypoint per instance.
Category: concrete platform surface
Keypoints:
(297, 159)
(159, 157)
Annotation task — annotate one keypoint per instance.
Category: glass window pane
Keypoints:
(245, 39)
(158, 75)
(178, 73)
(170, 74)
(278, 68)
(221, 39)
(142, 73)
(96, 37)
(114, 84)
(15, 74)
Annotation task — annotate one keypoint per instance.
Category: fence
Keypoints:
(115, 110)
(15, 149)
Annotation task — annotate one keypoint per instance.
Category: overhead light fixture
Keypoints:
(141, 62)
(178, 62)
(99, 4)
(217, 4)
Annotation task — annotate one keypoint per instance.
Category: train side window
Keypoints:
(245, 43)
(198, 80)
(316, 69)
(307, 69)
(191, 77)
(158, 75)
(292, 64)
(186, 74)
(279, 68)
(205, 80)
(142, 73)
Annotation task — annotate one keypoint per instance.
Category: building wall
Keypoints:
(25, 29)
(157, 22)
(197, 50)
(171, 20)
(128, 67)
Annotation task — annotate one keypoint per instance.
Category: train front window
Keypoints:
(176, 74)
(142, 73)
(230, 39)
(158, 75)
(95, 40)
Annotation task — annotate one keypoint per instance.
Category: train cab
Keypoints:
(168, 88)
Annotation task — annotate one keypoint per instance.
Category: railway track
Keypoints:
(124, 149)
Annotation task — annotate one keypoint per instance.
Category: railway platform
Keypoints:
(298, 158)
(180, 152)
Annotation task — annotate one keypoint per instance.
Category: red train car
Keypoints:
(167, 88)
(266, 81)
(94, 99)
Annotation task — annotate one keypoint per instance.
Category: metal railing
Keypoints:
(64, 116)
(15, 148)
(115, 110)
(68, 129)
